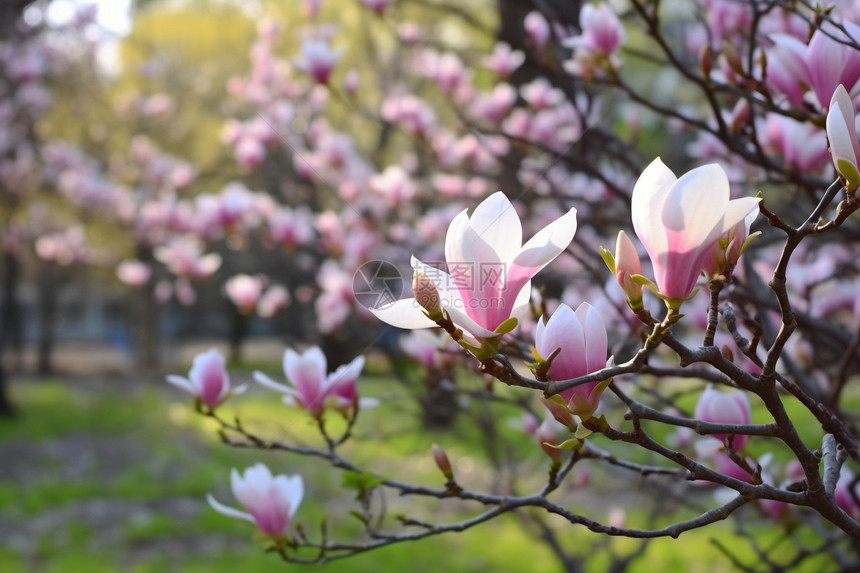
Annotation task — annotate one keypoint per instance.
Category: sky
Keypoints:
(112, 14)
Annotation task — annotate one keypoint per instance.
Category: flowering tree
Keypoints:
(645, 368)
(769, 323)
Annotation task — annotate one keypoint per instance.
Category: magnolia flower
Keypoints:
(842, 133)
(550, 433)
(581, 340)
(602, 32)
(208, 379)
(318, 59)
(537, 29)
(313, 389)
(842, 494)
(377, 6)
(679, 220)
(624, 266)
(134, 273)
(490, 270)
(729, 248)
(831, 60)
(244, 291)
(504, 61)
(273, 301)
(724, 408)
(270, 501)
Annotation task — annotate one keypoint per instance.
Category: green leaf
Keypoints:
(507, 325)
(608, 259)
(361, 482)
(582, 432)
(571, 444)
(849, 171)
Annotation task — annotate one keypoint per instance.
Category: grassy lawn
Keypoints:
(106, 475)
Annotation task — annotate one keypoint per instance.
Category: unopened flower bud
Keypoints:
(442, 462)
(842, 134)
(627, 264)
(426, 294)
(706, 60)
(617, 517)
(725, 408)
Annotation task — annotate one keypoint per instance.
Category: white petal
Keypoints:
(227, 510)
(646, 205)
(454, 237)
(521, 310)
(264, 380)
(349, 371)
(293, 490)
(181, 382)
(315, 355)
(405, 313)
(595, 336)
(739, 210)
(548, 243)
(495, 220)
(464, 321)
(697, 202)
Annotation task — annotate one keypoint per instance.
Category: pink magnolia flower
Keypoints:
(803, 144)
(394, 185)
(581, 336)
(627, 264)
(249, 152)
(826, 62)
(679, 220)
(786, 67)
(830, 62)
(134, 273)
(842, 494)
(244, 291)
(208, 379)
(550, 433)
(270, 501)
(313, 389)
(428, 348)
(725, 408)
(183, 257)
(728, 250)
(842, 133)
(377, 6)
(537, 29)
(504, 61)
(489, 269)
(713, 449)
(602, 32)
(318, 59)
(275, 299)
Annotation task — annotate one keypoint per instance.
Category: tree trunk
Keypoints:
(9, 322)
(48, 281)
(144, 328)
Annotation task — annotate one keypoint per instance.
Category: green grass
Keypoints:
(184, 460)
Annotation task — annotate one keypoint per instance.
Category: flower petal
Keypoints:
(264, 380)
(405, 313)
(495, 220)
(227, 510)
(695, 206)
(181, 382)
(649, 196)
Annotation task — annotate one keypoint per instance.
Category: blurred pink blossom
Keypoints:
(270, 501)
